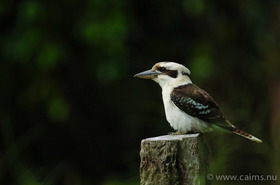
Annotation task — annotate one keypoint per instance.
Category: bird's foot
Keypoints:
(176, 133)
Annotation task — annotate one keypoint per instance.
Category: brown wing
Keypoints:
(197, 103)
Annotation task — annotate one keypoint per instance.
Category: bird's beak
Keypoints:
(149, 74)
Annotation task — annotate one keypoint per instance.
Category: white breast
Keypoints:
(178, 119)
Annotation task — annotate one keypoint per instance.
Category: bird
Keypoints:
(188, 108)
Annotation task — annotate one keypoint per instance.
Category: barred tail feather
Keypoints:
(246, 135)
(228, 126)
(242, 133)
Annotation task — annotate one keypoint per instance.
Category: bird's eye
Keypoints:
(161, 69)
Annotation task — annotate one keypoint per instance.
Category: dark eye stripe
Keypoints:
(161, 69)
(184, 73)
(172, 73)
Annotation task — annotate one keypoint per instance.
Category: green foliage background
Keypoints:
(71, 112)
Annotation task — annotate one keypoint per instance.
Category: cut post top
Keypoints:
(171, 137)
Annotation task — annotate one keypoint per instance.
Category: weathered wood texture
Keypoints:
(174, 160)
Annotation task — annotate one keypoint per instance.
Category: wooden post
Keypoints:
(174, 160)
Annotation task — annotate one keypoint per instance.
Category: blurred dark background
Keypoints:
(71, 112)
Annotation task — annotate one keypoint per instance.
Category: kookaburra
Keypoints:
(188, 108)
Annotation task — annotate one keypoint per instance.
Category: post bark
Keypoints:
(174, 160)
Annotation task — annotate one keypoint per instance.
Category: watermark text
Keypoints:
(245, 177)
